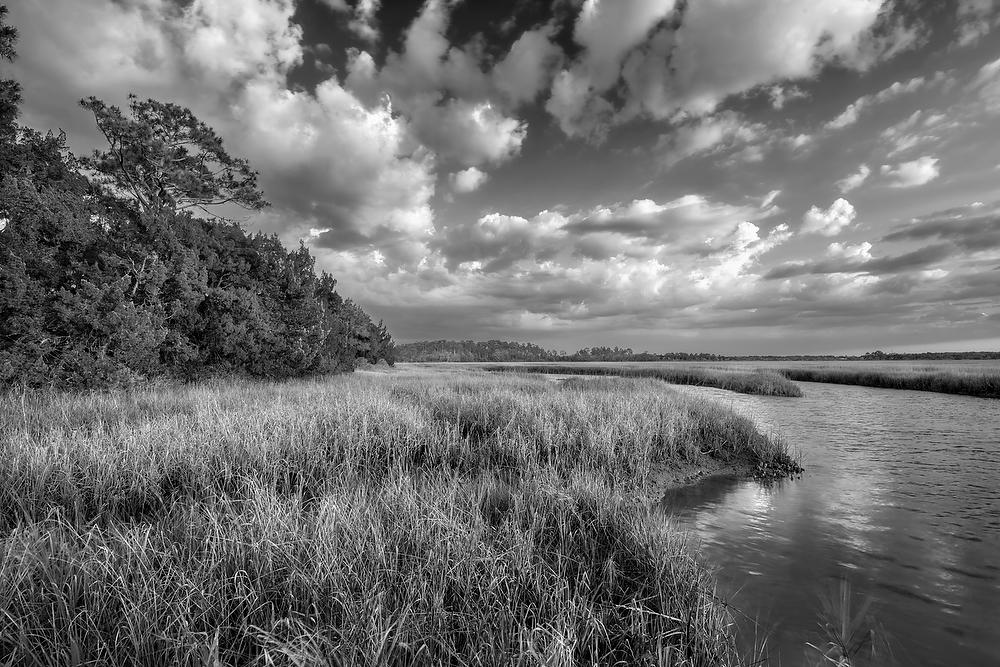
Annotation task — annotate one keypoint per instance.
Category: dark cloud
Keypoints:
(917, 259)
(981, 232)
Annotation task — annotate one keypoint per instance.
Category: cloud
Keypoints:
(973, 228)
(723, 131)
(364, 22)
(781, 95)
(471, 134)
(776, 42)
(861, 251)
(986, 84)
(528, 67)
(468, 180)
(849, 116)
(976, 18)
(769, 199)
(831, 221)
(910, 174)
(857, 259)
(663, 60)
(855, 180)
(456, 106)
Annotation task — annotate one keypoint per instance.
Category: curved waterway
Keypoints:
(900, 497)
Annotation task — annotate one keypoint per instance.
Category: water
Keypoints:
(901, 496)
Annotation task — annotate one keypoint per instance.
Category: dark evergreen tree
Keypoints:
(164, 157)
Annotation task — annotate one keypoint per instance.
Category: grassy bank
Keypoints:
(971, 382)
(363, 520)
(761, 382)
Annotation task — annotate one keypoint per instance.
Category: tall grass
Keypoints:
(358, 521)
(983, 383)
(761, 382)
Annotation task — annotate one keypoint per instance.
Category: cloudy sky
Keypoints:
(755, 176)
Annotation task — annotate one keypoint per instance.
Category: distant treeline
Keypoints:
(507, 351)
(107, 277)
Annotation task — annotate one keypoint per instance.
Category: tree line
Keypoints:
(499, 350)
(502, 350)
(115, 270)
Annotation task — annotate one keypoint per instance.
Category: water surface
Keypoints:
(901, 496)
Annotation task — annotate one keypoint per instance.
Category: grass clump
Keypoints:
(357, 521)
(982, 383)
(760, 382)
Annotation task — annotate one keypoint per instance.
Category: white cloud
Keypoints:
(831, 221)
(659, 70)
(526, 70)
(364, 21)
(860, 252)
(922, 128)
(854, 180)
(727, 129)
(471, 134)
(987, 84)
(910, 174)
(769, 199)
(849, 115)
(578, 111)
(468, 180)
(781, 95)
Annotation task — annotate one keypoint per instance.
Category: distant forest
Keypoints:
(499, 350)
(114, 268)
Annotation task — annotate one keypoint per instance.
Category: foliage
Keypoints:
(468, 350)
(109, 286)
(10, 91)
(162, 156)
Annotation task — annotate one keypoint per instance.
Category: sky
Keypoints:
(740, 177)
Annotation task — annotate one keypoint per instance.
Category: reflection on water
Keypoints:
(901, 495)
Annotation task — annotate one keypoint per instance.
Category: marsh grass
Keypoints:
(377, 520)
(851, 636)
(761, 382)
(969, 382)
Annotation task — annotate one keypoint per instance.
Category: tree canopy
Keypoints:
(162, 156)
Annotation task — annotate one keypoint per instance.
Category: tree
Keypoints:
(10, 91)
(163, 157)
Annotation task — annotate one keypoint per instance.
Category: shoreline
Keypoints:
(667, 478)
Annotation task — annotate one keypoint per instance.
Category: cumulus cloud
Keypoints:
(855, 180)
(471, 134)
(831, 221)
(455, 107)
(910, 174)
(860, 251)
(528, 67)
(663, 58)
(468, 180)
